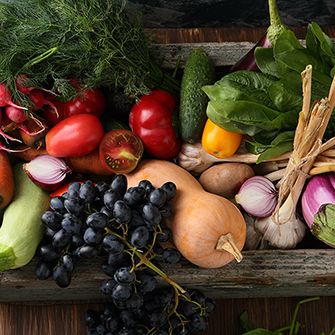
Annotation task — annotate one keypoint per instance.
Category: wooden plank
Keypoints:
(267, 273)
(222, 54)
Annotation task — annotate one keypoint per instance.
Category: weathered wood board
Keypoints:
(270, 273)
(222, 54)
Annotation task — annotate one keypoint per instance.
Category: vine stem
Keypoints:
(144, 260)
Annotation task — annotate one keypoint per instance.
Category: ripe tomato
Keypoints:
(218, 141)
(74, 136)
(120, 150)
(90, 101)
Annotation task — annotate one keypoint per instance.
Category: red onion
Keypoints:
(318, 207)
(47, 172)
(257, 196)
(320, 190)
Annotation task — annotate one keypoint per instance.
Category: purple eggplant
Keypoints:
(248, 62)
(318, 207)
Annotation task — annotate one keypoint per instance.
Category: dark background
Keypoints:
(227, 13)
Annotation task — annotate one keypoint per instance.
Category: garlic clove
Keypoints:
(282, 236)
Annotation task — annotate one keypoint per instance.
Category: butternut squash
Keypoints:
(208, 230)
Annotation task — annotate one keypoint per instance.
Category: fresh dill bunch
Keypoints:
(92, 41)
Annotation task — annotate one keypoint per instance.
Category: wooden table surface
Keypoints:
(273, 313)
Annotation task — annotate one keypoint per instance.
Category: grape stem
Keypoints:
(144, 260)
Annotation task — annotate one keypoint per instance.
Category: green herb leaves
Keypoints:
(91, 40)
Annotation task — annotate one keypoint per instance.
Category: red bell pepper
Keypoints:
(151, 119)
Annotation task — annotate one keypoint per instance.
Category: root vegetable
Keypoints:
(225, 179)
(6, 180)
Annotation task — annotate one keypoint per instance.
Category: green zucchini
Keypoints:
(22, 228)
(198, 72)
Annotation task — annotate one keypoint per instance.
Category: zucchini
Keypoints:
(198, 72)
(22, 228)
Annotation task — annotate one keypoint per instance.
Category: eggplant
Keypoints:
(248, 62)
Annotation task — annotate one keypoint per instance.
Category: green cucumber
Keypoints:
(198, 72)
(22, 228)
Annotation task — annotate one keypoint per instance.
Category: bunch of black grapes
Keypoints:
(125, 228)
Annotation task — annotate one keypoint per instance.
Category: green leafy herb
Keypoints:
(292, 329)
(266, 62)
(91, 40)
(282, 143)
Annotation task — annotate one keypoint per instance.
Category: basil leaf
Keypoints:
(241, 85)
(276, 150)
(266, 62)
(283, 98)
(290, 55)
(287, 41)
(297, 60)
(250, 117)
(282, 143)
(320, 44)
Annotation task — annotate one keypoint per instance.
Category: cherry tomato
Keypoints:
(74, 136)
(90, 101)
(120, 150)
(218, 141)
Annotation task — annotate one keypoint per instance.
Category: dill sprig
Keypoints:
(90, 40)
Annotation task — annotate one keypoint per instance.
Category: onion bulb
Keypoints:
(257, 196)
(47, 172)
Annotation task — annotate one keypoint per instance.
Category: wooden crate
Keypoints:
(266, 273)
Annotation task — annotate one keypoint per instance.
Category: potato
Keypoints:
(225, 179)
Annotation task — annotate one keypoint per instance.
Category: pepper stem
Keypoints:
(227, 243)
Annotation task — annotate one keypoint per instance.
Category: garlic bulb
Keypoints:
(253, 238)
(283, 230)
(193, 157)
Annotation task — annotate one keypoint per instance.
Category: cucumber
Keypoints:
(198, 72)
(22, 228)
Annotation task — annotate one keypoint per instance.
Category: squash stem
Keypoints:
(226, 243)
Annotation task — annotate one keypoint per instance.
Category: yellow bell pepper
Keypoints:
(218, 141)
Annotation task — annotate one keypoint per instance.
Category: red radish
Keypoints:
(89, 101)
(6, 97)
(6, 136)
(20, 84)
(50, 116)
(32, 130)
(38, 99)
(15, 114)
